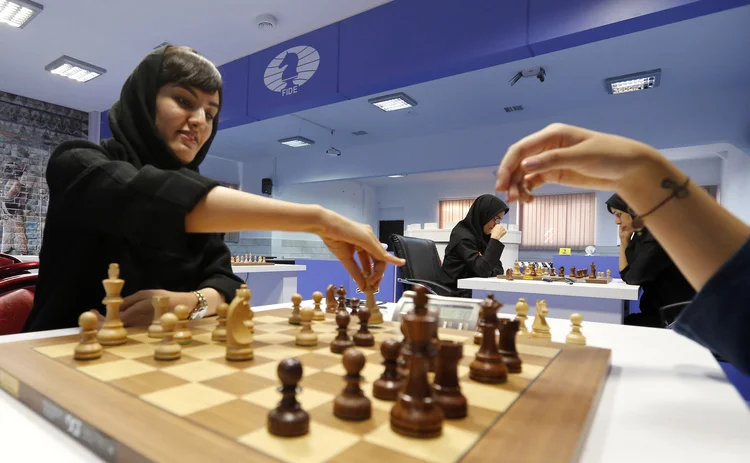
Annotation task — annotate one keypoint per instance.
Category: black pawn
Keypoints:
(364, 338)
(354, 304)
(352, 404)
(508, 330)
(342, 341)
(390, 382)
(288, 419)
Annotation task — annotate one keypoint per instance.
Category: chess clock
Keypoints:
(456, 313)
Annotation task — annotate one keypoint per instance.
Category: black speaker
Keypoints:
(267, 186)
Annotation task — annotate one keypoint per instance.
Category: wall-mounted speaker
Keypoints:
(267, 186)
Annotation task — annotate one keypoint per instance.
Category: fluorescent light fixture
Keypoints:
(296, 142)
(633, 82)
(65, 66)
(393, 102)
(18, 13)
(397, 176)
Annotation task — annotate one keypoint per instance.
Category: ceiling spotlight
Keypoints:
(633, 82)
(74, 69)
(18, 13)
(333, 152)
(397, 176)
(393, 102)
(265, 21)
(296, 142)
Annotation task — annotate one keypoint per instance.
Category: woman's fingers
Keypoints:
(354, 270)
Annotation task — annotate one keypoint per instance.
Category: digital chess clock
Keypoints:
(456, 313)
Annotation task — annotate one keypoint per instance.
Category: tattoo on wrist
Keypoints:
(679, 191)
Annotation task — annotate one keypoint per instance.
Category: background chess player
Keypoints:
(138, 199)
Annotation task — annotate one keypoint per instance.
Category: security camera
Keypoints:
(537, 72)
(541, 75)
(333, 152)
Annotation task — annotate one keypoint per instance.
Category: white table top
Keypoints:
(666, 400)
(239, 268)
(616, 289)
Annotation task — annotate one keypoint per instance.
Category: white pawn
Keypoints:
(168, 349)
(182, 333)
(307, 337)
(522, 312)
(89, 348)
(575, 336)
(220, 332)
(318, 314)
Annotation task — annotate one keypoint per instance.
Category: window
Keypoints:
(453, 210)
(559, 221)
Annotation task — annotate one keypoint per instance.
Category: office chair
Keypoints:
(16, 301)
(669, 314)
(422, 264)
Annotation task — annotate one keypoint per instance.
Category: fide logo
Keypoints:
(291, 69)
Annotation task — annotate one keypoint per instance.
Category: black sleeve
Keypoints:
(216, 270)
(481, 265)
(645, 262)
(146, 205)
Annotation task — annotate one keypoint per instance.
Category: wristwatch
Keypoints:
(201, 308)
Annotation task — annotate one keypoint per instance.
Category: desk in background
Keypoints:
(270, 284)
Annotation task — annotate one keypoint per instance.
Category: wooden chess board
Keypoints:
(128, 407)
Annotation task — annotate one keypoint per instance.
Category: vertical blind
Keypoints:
(453, 210)
(559, 221)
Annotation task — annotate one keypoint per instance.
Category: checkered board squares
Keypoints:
(233, 399)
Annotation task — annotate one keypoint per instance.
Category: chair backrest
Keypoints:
(7, 259)
(669, 313)
(16, 301)
(18, 268)
(422, 259)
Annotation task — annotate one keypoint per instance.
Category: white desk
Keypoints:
(270, 284)
(597, 302)
(666, 400)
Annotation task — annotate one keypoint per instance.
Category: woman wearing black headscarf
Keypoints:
(139, 200)
(475, 249)
(644, 262)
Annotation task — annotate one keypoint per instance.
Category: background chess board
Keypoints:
(218, 409)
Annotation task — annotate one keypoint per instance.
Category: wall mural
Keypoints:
(29, 131)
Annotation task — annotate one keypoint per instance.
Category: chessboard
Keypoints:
(126, 406)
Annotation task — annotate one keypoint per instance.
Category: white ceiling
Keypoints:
(115, 35)
(698, 57)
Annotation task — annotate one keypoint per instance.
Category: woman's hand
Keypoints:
(572, 156)
(137, 310)
(345, 238)
(625, 234)
(498, 231)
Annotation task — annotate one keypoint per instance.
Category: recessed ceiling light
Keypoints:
(18, 13)
(393, 102)
(65, 66)
(296, 142)
(633, 82)
(397, 176)
(266, 21)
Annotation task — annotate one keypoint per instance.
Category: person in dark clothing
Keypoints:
(139, 200)
(475, 249)
(644, 262)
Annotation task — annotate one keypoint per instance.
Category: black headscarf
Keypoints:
(616, 202)
(471, 227)
(132, 121)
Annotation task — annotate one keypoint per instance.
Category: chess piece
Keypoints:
(288, 419)
(238, 335)
(306, 337)
(488, 366)
(182, 333)
(295, 319)
(263, 259)
(245, 293)
(220, 332)
(331, 299)
(609, 274)
(351, 404)
(318, 314)
(540, 328)
(390, 382)
(527, 270)
(478, 333)
(592, 273)
(88, 348)
(533, 269)
(552, 272)
(516, 269)
(575, 336)
(341, 293)
(364, 338)
(509, 275)
(376, 316)
(168, 348)
(342, 341)
(354, 304)
(508, 332)
(403, 362)
(561, 272)
(522, 312)
(446, 386)
(161, 306)
(572, 271)
(112, 332)
(416, 414)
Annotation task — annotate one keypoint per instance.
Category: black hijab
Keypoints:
(471, 227)
(616, 202)
(132, 121)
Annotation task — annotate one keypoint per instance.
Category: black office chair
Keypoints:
(669, 314)
(422, 264)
